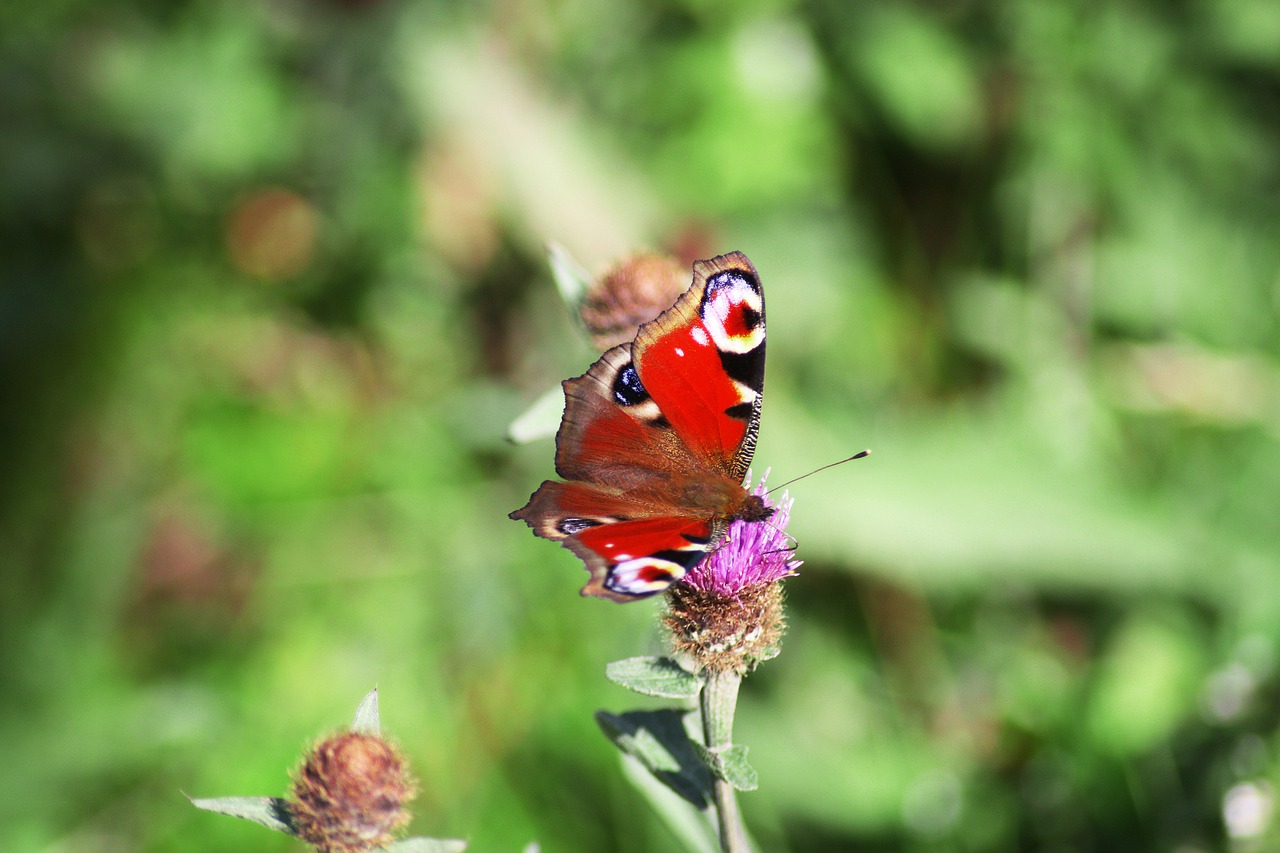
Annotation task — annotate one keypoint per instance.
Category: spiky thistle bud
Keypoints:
(634, 291)
(350, 793)
(726, 615)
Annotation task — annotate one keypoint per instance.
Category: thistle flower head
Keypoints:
(349, 794)
(726, 615)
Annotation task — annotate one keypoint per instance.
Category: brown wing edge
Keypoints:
(581, 395)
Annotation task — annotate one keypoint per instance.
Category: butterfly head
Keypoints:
(754, 509)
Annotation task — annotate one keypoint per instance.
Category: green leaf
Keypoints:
(731, 765)
(366, 721)
(271, 812)
(738, 772)
(655, 676)
(428, 845)
(659, 741)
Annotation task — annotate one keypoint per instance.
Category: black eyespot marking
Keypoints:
(695, 540)
(751, 317)
(740, 411)
(627, 389)
(572, 524)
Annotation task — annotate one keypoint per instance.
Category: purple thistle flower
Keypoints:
(753, 553)
(726, 614)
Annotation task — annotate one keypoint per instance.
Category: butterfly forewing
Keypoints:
(715, 329)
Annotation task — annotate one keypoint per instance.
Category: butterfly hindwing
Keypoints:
(634, 559)
(559, 510)
(632, 549)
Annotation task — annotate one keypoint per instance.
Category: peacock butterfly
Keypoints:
(657, 437)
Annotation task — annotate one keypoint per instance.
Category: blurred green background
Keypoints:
(274, 286)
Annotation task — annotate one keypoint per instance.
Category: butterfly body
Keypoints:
(657, 437)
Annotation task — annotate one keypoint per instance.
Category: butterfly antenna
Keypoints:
(858, 455)
(791, 549)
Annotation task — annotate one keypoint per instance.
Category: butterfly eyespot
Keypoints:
(570, 526)
(627, 389)
(643, 575)
(733, 311)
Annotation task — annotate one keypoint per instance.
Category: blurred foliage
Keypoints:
(274, 286)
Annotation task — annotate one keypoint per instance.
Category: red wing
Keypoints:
(702, 362)
(631, 549)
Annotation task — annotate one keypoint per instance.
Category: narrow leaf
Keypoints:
(540, 420)
(271, 812)
(692, 825)
(654, 676)
(366, 721)
(640, 741)
(657, 739)
(571, 279)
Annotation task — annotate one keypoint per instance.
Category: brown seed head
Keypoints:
(634, 291)
(350, 793)
(725, 634)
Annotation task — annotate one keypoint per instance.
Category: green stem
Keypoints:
(718, 700)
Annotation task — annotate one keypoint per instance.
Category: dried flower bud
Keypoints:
(634, 291)
(725, 634)
(350, 793)
(726, 615)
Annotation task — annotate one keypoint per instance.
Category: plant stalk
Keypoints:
(718, 701)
